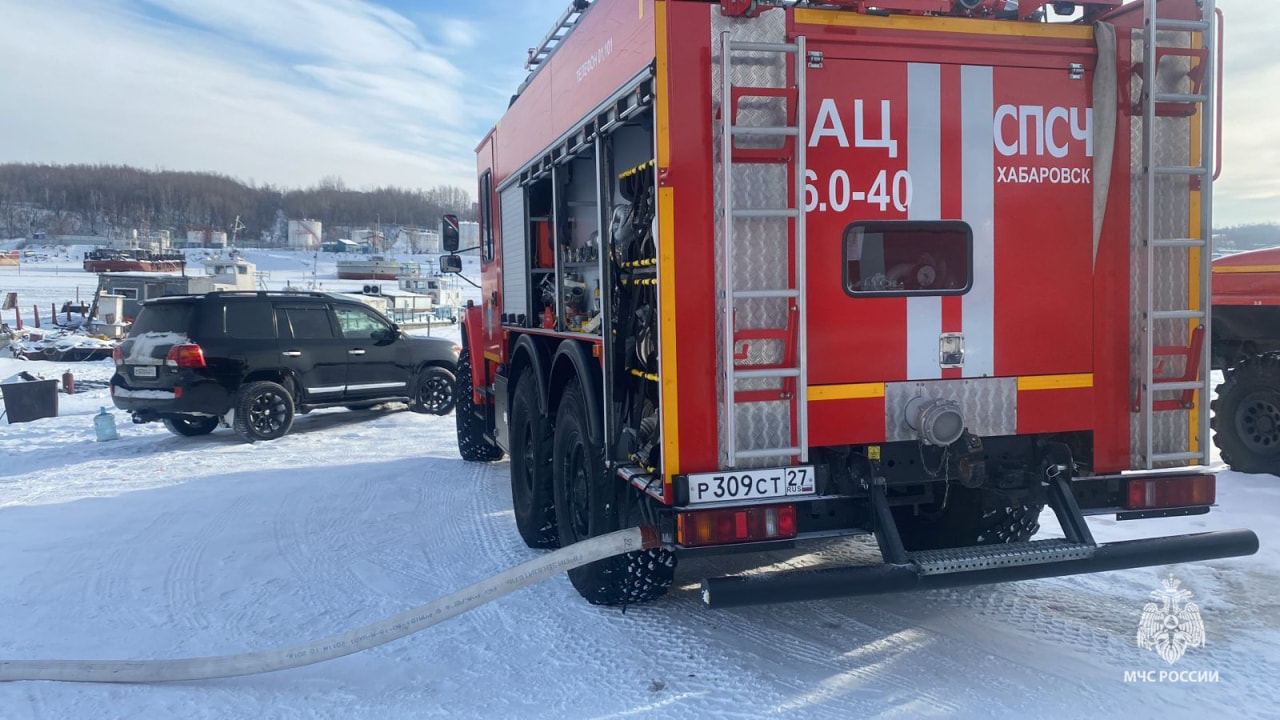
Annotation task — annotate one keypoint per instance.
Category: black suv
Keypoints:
(251, 360)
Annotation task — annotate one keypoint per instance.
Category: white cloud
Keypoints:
(97, 83)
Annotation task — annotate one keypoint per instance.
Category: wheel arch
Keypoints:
(280, 376)
(530, 356)
(572, 361)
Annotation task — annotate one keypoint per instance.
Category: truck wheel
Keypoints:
(472, 445)
(588, 504)
(969, 517)
(436, 390)
(264, 412)
(1246, 416)
(532, 496)
(191, 425)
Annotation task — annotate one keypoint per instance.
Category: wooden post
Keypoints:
(35, 310)
(17, 317)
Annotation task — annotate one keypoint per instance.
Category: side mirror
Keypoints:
(450, 234)
(451, 264)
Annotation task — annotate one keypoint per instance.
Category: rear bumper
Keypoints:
(191, 396)
(800, 585)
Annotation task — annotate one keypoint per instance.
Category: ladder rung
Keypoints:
(1181, 98)
(761, 213)
(765, 374)
(766, 453)
(1178, 315)
(1179, 170)
(787, 131)
(1173, 457)
(1182, 25)
(1178, 243)
(765, 294)
(736, 46)
(1176, 386)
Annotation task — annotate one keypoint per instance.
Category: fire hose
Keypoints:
(348, 643)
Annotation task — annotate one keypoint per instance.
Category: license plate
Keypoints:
(742, 485)
(146, 371)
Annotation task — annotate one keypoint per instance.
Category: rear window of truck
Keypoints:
(162, 318)
(900, 258)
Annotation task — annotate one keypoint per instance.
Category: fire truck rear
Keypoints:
(761, 273)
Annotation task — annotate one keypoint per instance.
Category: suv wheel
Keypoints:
(264, 411)
(436, 389)
(191, 425)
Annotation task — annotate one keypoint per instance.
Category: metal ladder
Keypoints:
(564, 25)
(793, 372)
(1155, 104)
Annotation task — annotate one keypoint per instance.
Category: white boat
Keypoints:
(234, 273)
(375, 268)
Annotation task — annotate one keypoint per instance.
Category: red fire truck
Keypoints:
(760, 273)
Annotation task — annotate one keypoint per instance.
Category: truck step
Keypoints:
(989, 557)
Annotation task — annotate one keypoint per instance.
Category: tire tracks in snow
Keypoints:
(182, 581)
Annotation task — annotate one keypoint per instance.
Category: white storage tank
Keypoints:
(305, 234)
(468, 234)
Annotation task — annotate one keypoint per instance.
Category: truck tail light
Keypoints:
(1179, 491)
(185, 356)
(699, 528)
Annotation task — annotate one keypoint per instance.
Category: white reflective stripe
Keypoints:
(377, 386)
(978, 209)
(924, 163)
(323, 390)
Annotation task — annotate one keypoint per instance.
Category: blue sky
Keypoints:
(277, 91)
(381, 91)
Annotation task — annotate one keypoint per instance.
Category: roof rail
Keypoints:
(565, 25)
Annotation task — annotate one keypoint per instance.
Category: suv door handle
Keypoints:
(355, 352)
(292, 353)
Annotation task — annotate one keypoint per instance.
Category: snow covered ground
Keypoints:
(155, 546)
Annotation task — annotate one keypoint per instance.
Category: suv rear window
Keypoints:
(908, 258)
(162, 318)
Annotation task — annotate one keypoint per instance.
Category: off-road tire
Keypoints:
(532, 490)
(970, 517)
(263, 412)
(435, 392)
(1246, 416)
(589, 503)
(472, 445)
(191, 425)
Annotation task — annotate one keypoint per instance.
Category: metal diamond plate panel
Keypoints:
(1172, 147)
(761, 259)
(990, 405)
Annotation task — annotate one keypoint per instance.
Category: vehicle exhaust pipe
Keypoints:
(800, 585)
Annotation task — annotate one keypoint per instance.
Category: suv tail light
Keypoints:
(1180, 491)
(734, 525)
(185, 356)
(117, 355)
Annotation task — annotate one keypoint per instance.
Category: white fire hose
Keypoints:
(369, 636)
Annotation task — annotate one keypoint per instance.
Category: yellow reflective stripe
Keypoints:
(846, 392)
(1055, 382)
(668, 398)
(1007, 28)
(1246, 268)
(495, 357)
(667, 330)
(660, 85)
